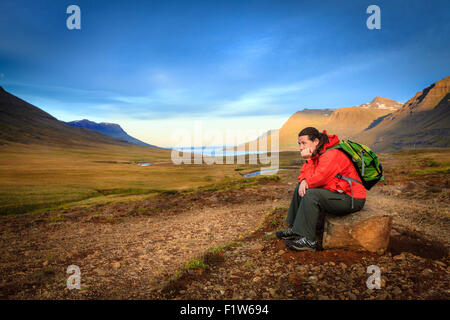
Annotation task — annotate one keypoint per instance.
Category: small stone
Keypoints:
(256, 279)
(397, 291)
(293, 277)
(369, 292)
(382, 296)
(45, 263)
(351, 295)
(116, 265)
(100, 272)
(315, 269)
(313, 279)
(427, 272)
(400, 256)
(442, 264)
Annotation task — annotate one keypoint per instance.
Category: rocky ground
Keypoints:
(261, 267)
(220, 244)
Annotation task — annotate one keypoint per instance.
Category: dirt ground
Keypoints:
(221, 245)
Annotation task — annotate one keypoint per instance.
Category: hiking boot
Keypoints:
(286, 234)
(301, 244)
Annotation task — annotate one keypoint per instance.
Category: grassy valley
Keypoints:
(40, 176)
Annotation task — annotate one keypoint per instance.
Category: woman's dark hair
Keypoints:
(313, 134)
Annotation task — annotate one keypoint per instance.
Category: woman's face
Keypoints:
(304, 143)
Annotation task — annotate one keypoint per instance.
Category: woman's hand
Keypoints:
(306, 153)
(302, 188)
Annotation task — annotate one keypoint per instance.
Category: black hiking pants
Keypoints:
(304, 211)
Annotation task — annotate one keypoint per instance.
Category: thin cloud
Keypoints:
(270, 99)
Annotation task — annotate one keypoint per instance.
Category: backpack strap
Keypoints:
(363, 162)
(349, 180)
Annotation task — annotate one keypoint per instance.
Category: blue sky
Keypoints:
(153, 66)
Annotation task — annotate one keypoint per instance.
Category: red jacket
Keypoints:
(321, 170)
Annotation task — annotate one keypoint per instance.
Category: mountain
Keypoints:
(301, 119)
(22, 122)
(348, 122)
(287, 134)
(381, 103)
(110, 129)
(423, 121)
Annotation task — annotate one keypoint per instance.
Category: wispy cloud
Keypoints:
(278, 98)
(166, 98)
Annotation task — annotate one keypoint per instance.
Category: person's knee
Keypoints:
(312, 193)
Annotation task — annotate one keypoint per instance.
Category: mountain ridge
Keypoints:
(422, 121)
(346, 122)
(22, 122)
(110, 129)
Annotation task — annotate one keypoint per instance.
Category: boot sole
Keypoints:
(301, 248)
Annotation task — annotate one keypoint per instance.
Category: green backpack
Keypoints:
(365, 161)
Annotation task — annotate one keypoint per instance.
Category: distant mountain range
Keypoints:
(22, 122)
(383, 124)
(110, 129)
(346, 122)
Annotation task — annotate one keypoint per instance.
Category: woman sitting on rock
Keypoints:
(319, 189)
